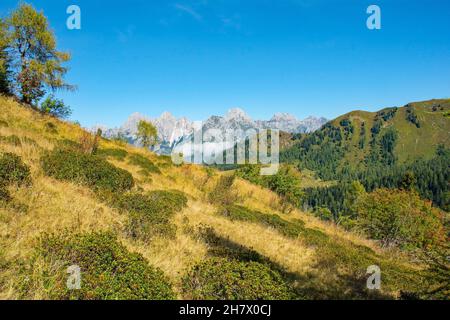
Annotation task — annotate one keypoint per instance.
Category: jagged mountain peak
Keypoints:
(172, 130)
(282, 116)
(237, 113)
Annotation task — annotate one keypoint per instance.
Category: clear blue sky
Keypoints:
(202, 57)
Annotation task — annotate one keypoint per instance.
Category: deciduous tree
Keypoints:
(400, 218)
(55, 107)
(147, 133)
(37, 65)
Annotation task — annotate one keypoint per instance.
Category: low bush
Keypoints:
(400, 218)
(13, 170)
(143, 163)
(108, 270)
(150, 213)
(290, 229)
(118, 154)
(437, 274)
(286, 182)
(4, 124)
(223, 279)
(12, 140)
(91, 170)
(55, 107)
(153, 201)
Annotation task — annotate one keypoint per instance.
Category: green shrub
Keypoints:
(118, 154)
(400, 218)
(223, 279)
(91, 170)
(290, 229)
(286, 182)
(150, 213)
(55, 107)
(153, 201)
(108, 270)
(323, 213)
(145, 227)
(13, 170)
(437, 274)
(143, 163)
(12, 140)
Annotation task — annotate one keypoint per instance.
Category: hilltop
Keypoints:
(133, 221)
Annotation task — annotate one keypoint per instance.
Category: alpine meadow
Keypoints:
(356, 208)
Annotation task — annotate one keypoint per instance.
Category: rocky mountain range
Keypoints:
(174, 131)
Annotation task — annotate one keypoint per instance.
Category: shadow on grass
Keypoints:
(325, 284)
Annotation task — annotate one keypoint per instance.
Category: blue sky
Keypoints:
(200, 57)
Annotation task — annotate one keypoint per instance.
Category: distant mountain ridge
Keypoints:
(174, 131)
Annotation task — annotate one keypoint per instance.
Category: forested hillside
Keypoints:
(396, 148)
(361, 140)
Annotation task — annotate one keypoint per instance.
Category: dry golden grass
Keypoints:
(287, 252)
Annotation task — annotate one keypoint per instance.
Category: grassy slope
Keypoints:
(335, 266)
(412, 142)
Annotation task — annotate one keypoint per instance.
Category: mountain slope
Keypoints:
(360, 139)
(313, 258)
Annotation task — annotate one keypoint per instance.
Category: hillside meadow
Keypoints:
(133, 221)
